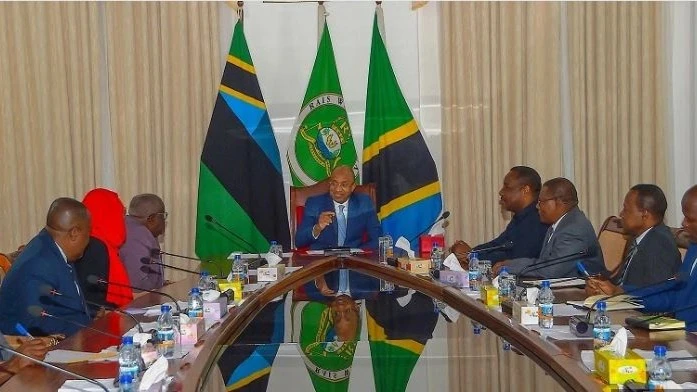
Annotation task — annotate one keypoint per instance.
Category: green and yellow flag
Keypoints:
(321, 138)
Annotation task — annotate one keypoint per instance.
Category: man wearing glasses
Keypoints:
(570, 233)
(145, 222)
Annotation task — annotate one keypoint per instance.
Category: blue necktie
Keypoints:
(341, 226)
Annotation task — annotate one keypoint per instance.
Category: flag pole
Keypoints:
(321, 20)
(240, 11)
(381, 21)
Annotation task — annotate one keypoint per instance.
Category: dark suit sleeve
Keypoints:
(303, 236)
(566, 242)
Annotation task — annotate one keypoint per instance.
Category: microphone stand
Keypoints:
(44, 314)
(53, 367)
(117, 310)
(179, 310)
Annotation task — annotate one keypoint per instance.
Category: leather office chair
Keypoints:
(613, 242)
(299, 195)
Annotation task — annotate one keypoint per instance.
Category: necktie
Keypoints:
(625, 263)
(341, 226)
(79, 292)
(548, 236)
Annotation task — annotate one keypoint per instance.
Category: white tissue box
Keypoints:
(215, 310)
(192, 331)
(457, 279)
(525, 313)
(271, 274)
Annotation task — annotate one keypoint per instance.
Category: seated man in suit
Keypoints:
(46, 262)
(340, 218)
(653, 255)
(570, 233)
(519, 193)
(679, 296)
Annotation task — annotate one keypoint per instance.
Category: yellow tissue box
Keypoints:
(236, 286)
(490, 296)
(616, 370)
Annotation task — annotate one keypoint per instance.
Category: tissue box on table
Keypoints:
(235, 285)
(215, 310)
(489, 295)
(525, 313)
(617, 370)
(271, 274)
(457, 279)
(192, 331)
(415, 266)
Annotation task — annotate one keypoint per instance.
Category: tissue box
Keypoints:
(525, 313)
(457, 279)
(215, 310)
(615, 370)
(415, 266)
(236, 286)
(271, 274)
(489, 295)
(192, 331)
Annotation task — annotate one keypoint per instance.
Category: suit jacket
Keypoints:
(95, 261)
(573, 234)
(39, 264)
(676, 295)
(362, 219)
(657, 258)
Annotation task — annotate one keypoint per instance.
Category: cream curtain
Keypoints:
(501, 105)
(163, 74)
(139, 78)
(49, 111)
(617, 101)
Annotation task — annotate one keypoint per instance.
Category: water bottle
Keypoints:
(203, 281)
(238, 273)
(436, 258)
(505, 345)
(504, 285)
(659, 371)
(126, 383)
(474, 271)
(128, 359)
(384, 248)
(195, 304)
(165, 332)
(276, 249)
(545, 304)
(601, 326)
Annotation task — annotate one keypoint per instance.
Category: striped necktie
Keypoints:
(341, 226)
(620, 277)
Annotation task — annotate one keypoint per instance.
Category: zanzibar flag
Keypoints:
(321, 139)
(240, 182)
(395, 155)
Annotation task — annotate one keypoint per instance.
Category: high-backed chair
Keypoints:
(5, 265)
(613, 242)
(299, 195)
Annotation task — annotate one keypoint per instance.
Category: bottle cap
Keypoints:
(503, 269)
(165, 308)
(659, 351)
(127, 340)
(545, 284)
(602, 305)
(195, 290)
(125, 379)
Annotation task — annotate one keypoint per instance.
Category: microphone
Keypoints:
(94, 279)
(47, 290)
(38, 311)
(215, 222)
(505, 245)
(53, 367)
(147, 260)
(443, 216)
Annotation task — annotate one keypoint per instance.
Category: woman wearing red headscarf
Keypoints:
(109, 227)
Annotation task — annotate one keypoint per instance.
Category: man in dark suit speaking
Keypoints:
(570, 233)
(340, 217)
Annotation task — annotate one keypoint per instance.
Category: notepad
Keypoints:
(621, 302)
(653, 323)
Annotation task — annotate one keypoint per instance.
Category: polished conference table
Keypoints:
(439, 350)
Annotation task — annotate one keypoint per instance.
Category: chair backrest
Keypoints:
(682, 239)
(5, 263)
(613, 242)
(299, 195)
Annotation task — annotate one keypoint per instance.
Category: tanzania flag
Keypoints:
(240, 182)
(321, 139)
(395, 155)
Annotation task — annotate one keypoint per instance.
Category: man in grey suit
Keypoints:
(652, 255)
(570, 233)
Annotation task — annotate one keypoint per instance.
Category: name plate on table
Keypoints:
(415, 266)
(457, 279)
(271, 274)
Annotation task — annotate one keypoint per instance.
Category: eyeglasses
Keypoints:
(540, 201)
(164, 215)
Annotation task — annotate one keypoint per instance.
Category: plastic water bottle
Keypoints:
(276, 249)
(204, 281)
(195, 304)
(436, 258)
(238, 273)
(474, 272)
(659, 371)
(165, 332)
(602, 334)
(126, 383)
(545, 304)
(128, 359)
(504, 285)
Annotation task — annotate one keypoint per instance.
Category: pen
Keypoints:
(582, 269)
(23, 331)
